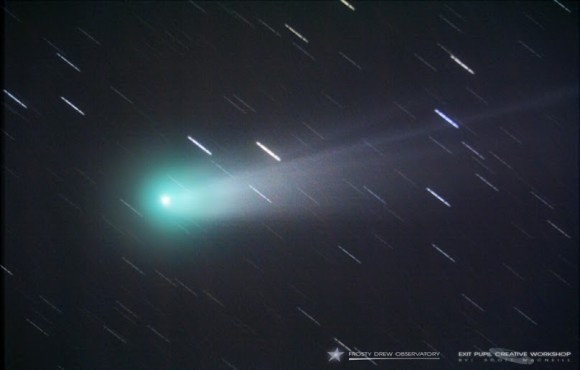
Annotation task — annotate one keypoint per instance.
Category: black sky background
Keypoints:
(69, 241)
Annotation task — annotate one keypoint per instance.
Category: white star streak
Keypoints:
(450, 23)
(463, 65)
(350, 60)
(308, 196)
(296, 33)
(260, 194)
(483, 165)
(269, 28)
(37, 327)
(438, 197)
(313, 130)
(513, 271)
(425, 62)
(12, 15)
(342, 344)
(133, 266)
(235, 105)
(115, 334)
(404, 110)
(562, 6)
(529, 49)
(210, 296)
(522, 231)
(307, 315)
(375, 195)
(178, 184)
(511, 135)
(186, 287)
(229, 364)
(271, 153)
(127, 309)
(346, 3)
(272, 231)
(350, 255)
(51, 44)
(443, 253)
(440, 145)
(525, 316)
(405, 177)
(472, 150)
(10, 136)
(352, 186)
(472, 302)
(89, 36)
(449, 120)
(50, 304)
(330, 99)
(303, 51)
(7, 271)
(113, 226)
(558, 229)
(198, 7)
(158, 333)
(199, 145)
(486, 182)
(456, 60)
(166, 278)
(477, 96)
(244, 103)
(501, 160)
(382, 240)
(560, 278)
(121, 95)
(15, 99)
(68, 62)
(222, 169)
(131, 208)
(534, 21)
(542, 200)
(72, 105)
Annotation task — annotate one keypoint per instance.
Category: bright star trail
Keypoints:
(439, 197)
(290, 185)
(68, 62)
(463, 65)
(15, 99)
(260, 194)
(72, 105)
(296, 33)
(270, 153)
(199, 145)
(443, 253)
(347, 4)
(449, 120)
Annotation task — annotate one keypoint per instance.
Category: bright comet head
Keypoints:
(165, 200)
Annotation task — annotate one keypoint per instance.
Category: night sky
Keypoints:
(252, 185)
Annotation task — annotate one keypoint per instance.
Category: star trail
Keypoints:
(235, 185)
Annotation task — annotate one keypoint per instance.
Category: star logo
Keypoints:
(335, 355)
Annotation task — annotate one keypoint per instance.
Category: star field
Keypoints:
(274, 185)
